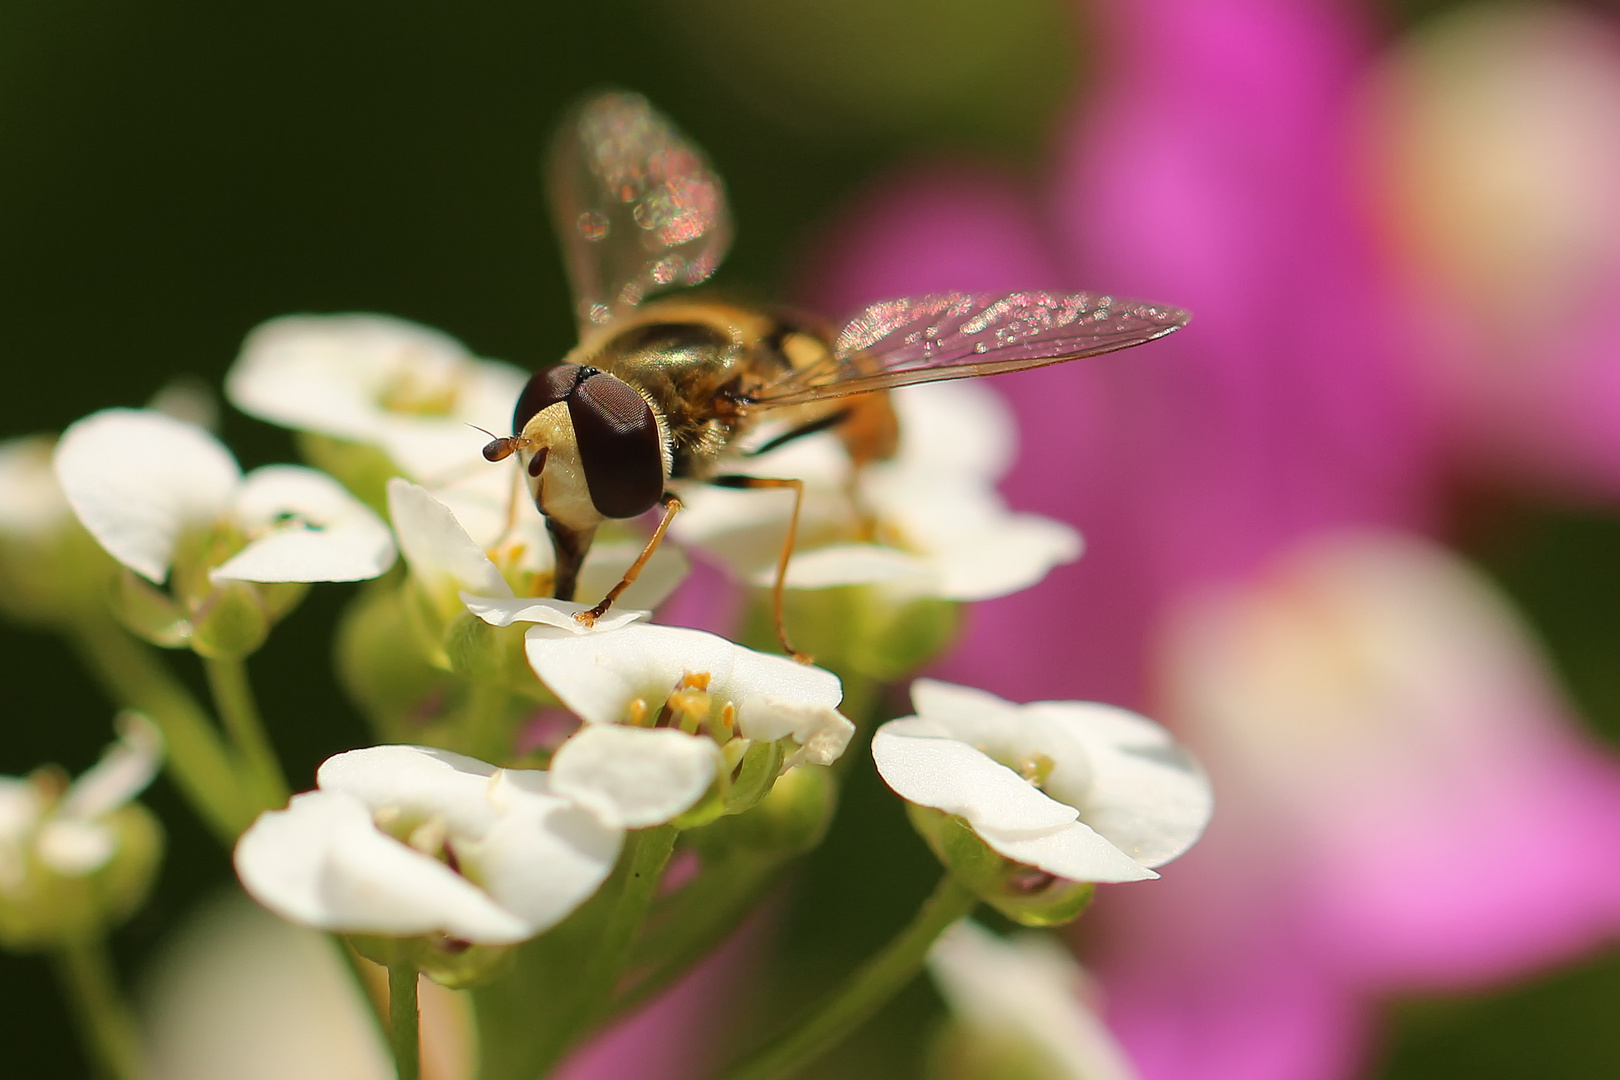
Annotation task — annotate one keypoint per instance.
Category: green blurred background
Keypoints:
(177, 171)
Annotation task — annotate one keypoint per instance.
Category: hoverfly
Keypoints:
(658, 390)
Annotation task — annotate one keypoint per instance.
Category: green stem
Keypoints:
(233, 697)
(376, 1008)
(404, 1021)
(104, 1020)
(862, 994)
(707, 912)
(196, 757)
(648, 852)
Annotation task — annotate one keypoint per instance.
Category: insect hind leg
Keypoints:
(760, 482)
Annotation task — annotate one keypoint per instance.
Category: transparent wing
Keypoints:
(636, 205)
(960, 335)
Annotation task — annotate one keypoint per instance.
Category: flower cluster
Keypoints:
(538, 771)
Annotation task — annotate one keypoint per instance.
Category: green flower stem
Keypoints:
(195, 755)
(868, 989)
(233, 697)
(647, 855)
(104, 1020)
(404, 1021)
(707, 912)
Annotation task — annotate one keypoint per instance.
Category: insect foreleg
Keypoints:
(787, 548)
(672, 504)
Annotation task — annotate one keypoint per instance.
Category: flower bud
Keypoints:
(789, 820)
(231, 623)
(1025, 894)
(459, 965)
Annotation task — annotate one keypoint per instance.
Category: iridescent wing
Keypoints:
(961, 335)
(636, 205)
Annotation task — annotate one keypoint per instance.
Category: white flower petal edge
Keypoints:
(326, 862)
(305, 527)
(557, 614)
(1116, 796)
(1027, 990)
(137, 479)
(633, 777)
(436, 547)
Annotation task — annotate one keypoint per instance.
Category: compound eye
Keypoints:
(618, 446)
(545, 388)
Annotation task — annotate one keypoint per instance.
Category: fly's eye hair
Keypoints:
(619, 446)
(545, 388)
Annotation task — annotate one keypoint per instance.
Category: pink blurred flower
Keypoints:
(1215, 167)
(1492, 140)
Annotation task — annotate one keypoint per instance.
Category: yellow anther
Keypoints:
(1037, 769)
(429, 837)
(638, 712)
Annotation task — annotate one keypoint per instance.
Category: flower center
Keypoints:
(422, 387)
(688, 707)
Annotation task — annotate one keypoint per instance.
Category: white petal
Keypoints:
(821, 731)
(418, 780)
(123, 772)
(853, 564)
(1144, 793)
(75, 848)
(545, 857)
(436, 547)
(635, 777)
(31, 499)
(1026, 989)
(137, 479)
(956, 778)
(329, 373)
(306, 527)
(323, 863)
(558, 614)
(598, 675)
(962, 429)
(1008, 556)
(1075, 852)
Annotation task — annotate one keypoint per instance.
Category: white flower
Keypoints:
(929, 521)
(238, 993)
(407, 841)
(452, 567)
(414, 393)
(376, 380)
(70, 834)
(141, 481)
(659, 702)
(1083, 791)
(1025, 999)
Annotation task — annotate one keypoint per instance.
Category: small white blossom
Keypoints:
(379, 381)
(1025, 999)
(69, 834)
(660, 701)
(405, 841)
(927, 522)
(453, 568)
(140, 481)
(1083, 791)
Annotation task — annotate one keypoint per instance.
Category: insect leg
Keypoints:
(787, 548)
(671, 505)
